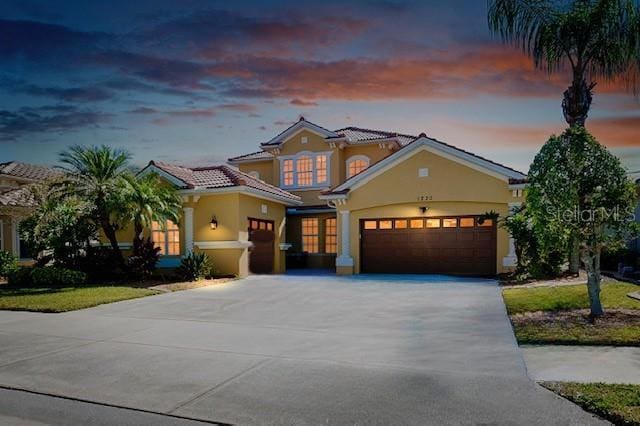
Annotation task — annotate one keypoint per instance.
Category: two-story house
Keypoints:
(378, 201)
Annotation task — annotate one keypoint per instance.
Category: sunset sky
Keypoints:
(195, 82)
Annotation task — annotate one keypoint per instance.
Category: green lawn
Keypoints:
(614, 295)
(551, 315)
(66, 299)
(619, 404)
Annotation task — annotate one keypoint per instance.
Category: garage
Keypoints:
(459, 245)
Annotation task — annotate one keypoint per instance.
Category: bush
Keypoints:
(100, 264)
(143, 261)
(57, 277)
(47, 277)
(194, 267)
(21, 277)
(8, 263)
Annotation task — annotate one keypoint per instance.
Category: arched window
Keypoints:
(356, 164)
(254, 174)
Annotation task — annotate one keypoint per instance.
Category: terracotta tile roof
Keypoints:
(27, 171)
(260, 155)
(20, 197)
(358, 135)
(219, 177)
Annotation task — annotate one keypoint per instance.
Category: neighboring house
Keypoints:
(377, 201)
(16, 201)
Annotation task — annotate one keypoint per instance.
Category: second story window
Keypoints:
(356, 164)
(287, 172)
(304, 167)
(305, 170)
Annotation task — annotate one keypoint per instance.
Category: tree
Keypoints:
(594, 39)
(58, 228)
(95, 175)
(577, 187)
(148, 199)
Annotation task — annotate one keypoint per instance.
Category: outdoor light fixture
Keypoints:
(214, 223)
(424, 209)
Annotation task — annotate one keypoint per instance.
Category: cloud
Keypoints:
(70, 94)
(25, 121)
(239, 107)
(216, 33)
(300, 102)
(144, 110)
(621, 132)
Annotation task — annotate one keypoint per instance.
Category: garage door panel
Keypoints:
(465, 251)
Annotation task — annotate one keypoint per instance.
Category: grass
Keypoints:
(559, 315)
(66, 299)
(619, 404)
(613, 296)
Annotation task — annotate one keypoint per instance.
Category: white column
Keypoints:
(188, 229)
(15, 238)
(511, 259)
(345, 258)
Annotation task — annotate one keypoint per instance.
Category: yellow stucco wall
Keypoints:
(7, 240)
(451, 189)
(264, 168)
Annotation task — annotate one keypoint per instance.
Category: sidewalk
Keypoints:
(586, 364)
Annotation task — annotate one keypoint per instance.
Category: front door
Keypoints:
(261, 255)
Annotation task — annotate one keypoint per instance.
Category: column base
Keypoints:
(510, 261)
(344, 265)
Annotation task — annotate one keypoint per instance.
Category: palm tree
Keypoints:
(95, 174)
(594, 39)
(147, 200)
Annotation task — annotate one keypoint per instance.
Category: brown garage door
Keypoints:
(457, 245)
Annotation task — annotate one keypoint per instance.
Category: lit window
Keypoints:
(417, 223)
(370, 224)
(487, 222)
(449, 223)
(304, 167)
(331, 235)
(321, 169)
(287, 172)
(310, 235)
(433, 223)
(167, 238)
(385, 224)
(400, 223)
(467, 222)
(356, 165)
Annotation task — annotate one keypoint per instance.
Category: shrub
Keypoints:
(8, 263)
(194, 267)
(100, 264)
(57, 277)
(145, 256)
(20, 277)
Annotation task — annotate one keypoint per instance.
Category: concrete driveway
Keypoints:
(291, 350)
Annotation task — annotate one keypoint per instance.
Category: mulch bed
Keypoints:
(191, 285)
(612, 318)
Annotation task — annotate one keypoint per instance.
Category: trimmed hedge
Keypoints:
(47, 277)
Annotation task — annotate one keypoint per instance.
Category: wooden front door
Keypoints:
(457, 245)
(262, 254)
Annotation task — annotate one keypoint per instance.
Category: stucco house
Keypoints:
(16, 201)
(354, 200)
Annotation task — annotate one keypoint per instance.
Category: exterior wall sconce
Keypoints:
(214, 223)
(424, 209)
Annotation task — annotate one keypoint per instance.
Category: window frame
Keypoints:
(316, 235)
(353, 159)
(331, 239)
(164, 229)
(316, 182)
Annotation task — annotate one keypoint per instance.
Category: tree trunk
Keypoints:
(138, 236)
(574, 255)
(577, 101)
(110, 233)
(592, 265)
